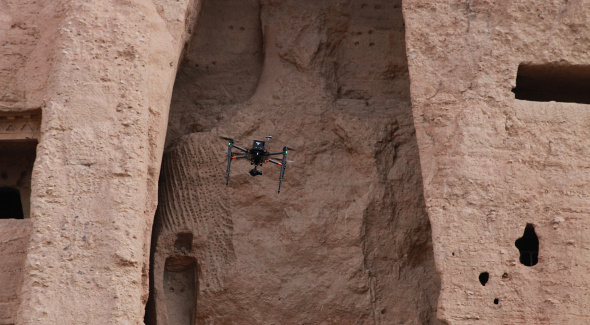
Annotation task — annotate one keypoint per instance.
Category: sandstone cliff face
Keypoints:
(102, 74)
(15, 235)
(346, 242)
(493, 164)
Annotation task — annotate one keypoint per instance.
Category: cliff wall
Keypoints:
(499, 95)
(347, 241)
(111, 86)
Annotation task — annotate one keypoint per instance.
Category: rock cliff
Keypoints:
(469, 117)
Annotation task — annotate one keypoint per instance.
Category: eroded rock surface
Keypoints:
(347, 241)
(494, 165)
(192, 250)
(14, 237)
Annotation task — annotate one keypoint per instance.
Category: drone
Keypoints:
(258, 154)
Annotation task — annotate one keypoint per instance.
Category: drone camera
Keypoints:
(255, 172)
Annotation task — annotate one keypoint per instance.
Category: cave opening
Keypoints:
(550, 82)
(483, 278)
(18, 150)
(528, 245)
(11, 206)
(16, 168)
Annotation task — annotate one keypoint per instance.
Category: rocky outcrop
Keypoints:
(102, 74)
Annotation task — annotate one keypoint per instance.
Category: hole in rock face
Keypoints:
(550, 82)
(528, 245)
(483, 278)
(496, 301)
(16, 162)
(184, 242)
(10, 204)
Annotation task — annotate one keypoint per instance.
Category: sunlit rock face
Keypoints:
(500, 110)
(117, 161)
(347, 240)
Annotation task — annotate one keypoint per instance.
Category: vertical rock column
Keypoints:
(94, 181)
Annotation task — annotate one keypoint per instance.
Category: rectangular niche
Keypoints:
(19, 132)
(180, 280)
(553, 82)
(16, 167)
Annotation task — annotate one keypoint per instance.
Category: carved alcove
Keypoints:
(19, 133)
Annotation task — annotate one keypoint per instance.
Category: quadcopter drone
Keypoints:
(258, 154)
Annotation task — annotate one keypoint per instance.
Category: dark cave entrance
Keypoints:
(549, 82)
(11, 206)
(18, 150)
(16, 168)
(528, 245)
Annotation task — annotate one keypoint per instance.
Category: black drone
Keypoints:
(258, 154)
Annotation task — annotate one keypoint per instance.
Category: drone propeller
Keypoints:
(228, 139)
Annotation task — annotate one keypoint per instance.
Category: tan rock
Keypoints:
(346, 242)
(493, 164)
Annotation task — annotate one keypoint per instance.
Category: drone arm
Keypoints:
(240, 148)
(275, 153)
(275, 162)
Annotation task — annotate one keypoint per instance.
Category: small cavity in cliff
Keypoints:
(528, 245)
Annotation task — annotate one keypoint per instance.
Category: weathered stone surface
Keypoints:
(346, 242)
(105, 85)
(14, 237)
(193, 249)
(491, 164)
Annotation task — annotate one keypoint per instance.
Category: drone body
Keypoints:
(258, 154)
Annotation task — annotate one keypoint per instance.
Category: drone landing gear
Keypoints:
(257, 155)
(255, 172)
